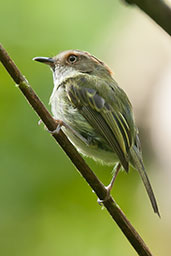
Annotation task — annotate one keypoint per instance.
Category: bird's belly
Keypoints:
(96, 147)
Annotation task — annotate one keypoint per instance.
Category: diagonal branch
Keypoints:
(111, 206)
(158, 10)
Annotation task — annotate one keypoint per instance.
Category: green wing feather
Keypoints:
(103, 117)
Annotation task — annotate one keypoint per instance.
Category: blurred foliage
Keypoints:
(45, 206)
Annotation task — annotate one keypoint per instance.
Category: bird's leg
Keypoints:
(110, 186)
(61, 123)
(115, 173)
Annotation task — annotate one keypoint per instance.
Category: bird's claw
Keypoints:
(40, 122)
(57, 130)
(100, 202)
(59, 123)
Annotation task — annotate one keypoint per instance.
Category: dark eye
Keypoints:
(72, 58)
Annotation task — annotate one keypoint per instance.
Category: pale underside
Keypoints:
(96, 147)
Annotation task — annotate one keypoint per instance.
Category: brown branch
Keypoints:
(158, 10)
(114, 210)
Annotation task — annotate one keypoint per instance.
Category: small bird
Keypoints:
(95, 113)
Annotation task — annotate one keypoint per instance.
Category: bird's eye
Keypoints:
(72, 58)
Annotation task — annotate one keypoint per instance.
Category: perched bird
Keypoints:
(95, 113)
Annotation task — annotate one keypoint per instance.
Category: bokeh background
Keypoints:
(46, 208)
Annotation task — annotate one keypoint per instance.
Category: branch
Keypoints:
(158, 10)
(100, 190)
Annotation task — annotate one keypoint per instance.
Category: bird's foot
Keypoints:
(108, 188)
(59, 123)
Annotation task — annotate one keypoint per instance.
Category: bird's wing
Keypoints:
(107, 121)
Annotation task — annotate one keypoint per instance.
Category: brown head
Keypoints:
(77, 60)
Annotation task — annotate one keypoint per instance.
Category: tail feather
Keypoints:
(137, 162)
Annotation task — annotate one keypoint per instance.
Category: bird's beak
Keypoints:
(46, 60)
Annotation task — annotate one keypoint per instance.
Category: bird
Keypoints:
(96, 114)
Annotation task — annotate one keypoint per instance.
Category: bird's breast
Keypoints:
(64, 110)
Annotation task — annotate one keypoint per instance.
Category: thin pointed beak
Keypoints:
(46, 60)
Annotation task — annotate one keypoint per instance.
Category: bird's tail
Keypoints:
(137, 162)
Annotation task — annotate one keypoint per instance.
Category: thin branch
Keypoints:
(100, 190)
(158, 10)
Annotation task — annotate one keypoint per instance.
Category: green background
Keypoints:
(46, 208)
